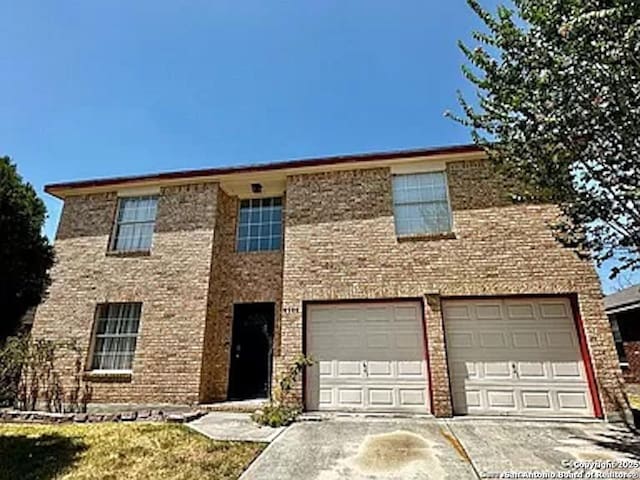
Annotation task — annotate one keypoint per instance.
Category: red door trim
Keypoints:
(586, 356)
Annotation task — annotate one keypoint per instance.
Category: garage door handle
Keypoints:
(364, 366)
(515, 370)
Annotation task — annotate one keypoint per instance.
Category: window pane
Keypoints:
(116, 336)
(135, 223)
(260, 224)
(422, 187)
(421, 204)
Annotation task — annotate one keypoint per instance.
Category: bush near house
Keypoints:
(30, 380)
(283, 409)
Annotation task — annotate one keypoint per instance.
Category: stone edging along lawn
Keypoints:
(19, 416)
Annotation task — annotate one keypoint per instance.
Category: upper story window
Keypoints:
(421, 203)
(135, 223)
(260, 224)
(116, 335)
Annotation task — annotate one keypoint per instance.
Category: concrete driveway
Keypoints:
(428, 448)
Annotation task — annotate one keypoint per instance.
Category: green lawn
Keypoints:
(135, 451)
(635, 401)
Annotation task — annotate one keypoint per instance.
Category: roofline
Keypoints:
(621, 307)
(56, 189)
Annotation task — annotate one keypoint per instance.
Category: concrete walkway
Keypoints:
(234, 427)
(388, 448)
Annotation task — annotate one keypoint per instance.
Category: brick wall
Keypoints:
(632, 352)
(236, 277)
(172, 282)
(340, 243)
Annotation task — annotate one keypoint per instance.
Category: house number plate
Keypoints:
(291, 309)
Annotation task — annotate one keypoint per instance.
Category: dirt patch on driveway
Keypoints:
(391, 452)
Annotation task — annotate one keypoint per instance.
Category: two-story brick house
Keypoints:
(410, 277)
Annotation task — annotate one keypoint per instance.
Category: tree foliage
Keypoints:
(25, 253)
(558, 108)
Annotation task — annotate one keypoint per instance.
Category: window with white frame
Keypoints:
(115, 336)
(135, 222)
(260, 224)
(421, 203)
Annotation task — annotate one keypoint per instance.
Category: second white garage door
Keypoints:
(368, 357)
(515, 356)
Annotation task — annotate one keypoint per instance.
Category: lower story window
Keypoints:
(617, 337)
(116, 335)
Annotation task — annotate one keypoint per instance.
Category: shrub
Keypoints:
(29, 378)
(283, 409)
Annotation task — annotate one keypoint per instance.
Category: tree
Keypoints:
(558, 108)
(25, 253)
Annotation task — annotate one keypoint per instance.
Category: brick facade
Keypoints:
(235, 278)
(339, 244)
(632, 371)
(172, 282)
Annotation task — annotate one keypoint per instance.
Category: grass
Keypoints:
(115, 450)
(635, 401)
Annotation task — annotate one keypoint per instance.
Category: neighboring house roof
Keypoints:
(62, 189)
(626, 299)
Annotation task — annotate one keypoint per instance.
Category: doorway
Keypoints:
(251, 351)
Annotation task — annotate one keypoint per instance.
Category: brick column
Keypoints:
(632, 352)
(438, 367)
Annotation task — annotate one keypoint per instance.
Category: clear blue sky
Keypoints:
(102, 88)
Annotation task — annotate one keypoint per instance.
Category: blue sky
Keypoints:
(102, 88)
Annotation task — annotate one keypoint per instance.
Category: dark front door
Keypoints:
(251, 350)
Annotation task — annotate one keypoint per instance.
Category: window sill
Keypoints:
(243, 252)
(624, 365)
(419, 237)
(129, 253)
(111, 376)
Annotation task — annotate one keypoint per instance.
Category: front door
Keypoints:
(251, 351)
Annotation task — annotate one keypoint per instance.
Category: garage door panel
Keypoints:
(526, 339)
(489, 312)
(537, 369)
(566, 370)
(349, 369)
(561, 339)
(554, 310)
(531, 370)
(350, 397)
(492, 340)
(379, 369)
(325, 367)
(520, 311)
(573, 400)
(378, 340)
(381, 397)
(501, 399)
(457, 312)
(409, 369)
(412, 397)
(536, 400)
(499, 370)
(383, 370)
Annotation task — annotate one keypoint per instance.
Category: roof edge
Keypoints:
(55, 189)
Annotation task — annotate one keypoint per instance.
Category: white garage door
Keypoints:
(515, 356)
(369, 357)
